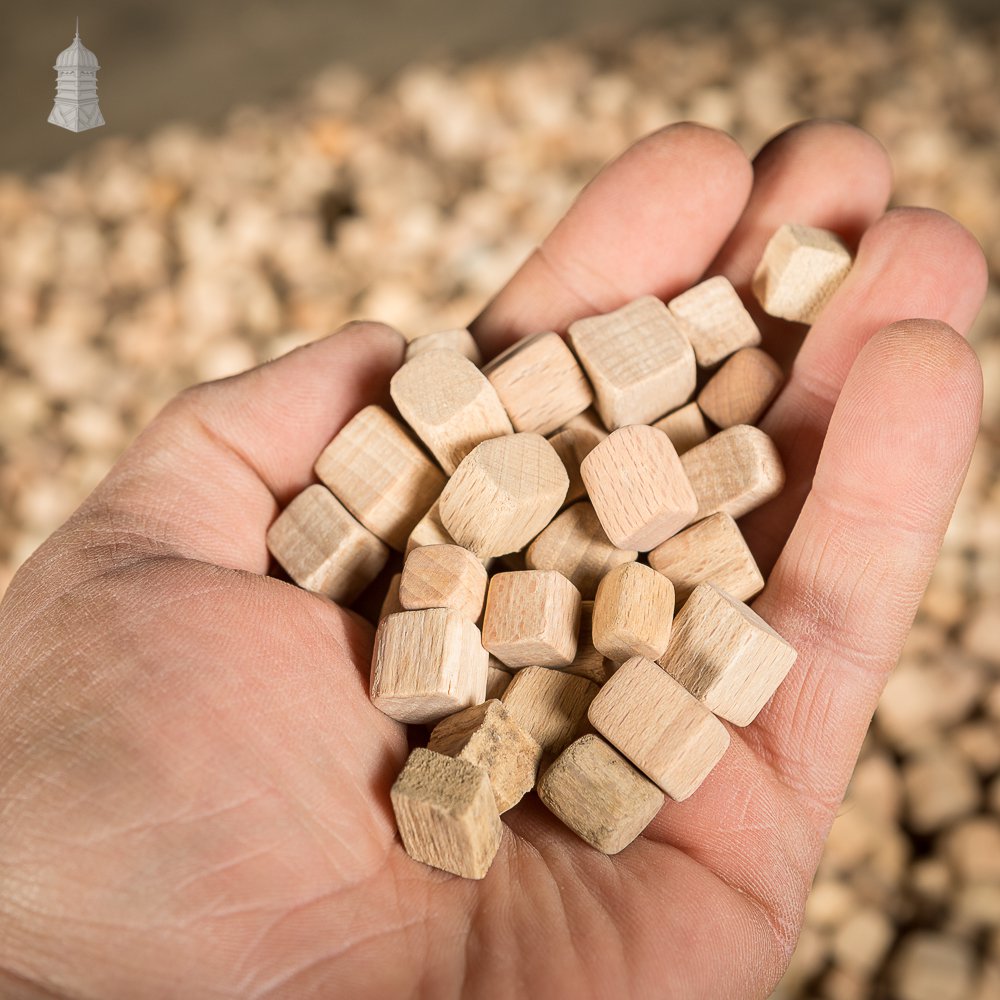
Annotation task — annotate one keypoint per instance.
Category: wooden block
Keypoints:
(390, 603)
(638, 487)
(599, 795)
(665, 732)
(714, 320)
(322, 548)
(550, 704)
(503, 494)
(638, 361)
(443, 576)
(488, 736)
(429, 530)
(573, 446)
(575, 545)
(685, 427)
(375, 470)
(726, 655)
(532, 619)
(742, 389)
(446, 813)
(734, 471)
(427, 664)
(448, 340)
(589, 661)
(588, 423)
(497, 679)
(448, 401)
(633, 613)
(800, 270)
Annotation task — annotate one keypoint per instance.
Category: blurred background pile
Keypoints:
(186, 241)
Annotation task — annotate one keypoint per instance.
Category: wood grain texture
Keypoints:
(714, 320)
(573, 445)
(443, 576)
(589, 661)
(497, 679)
(685, 427)
(633, 613)
(742, 389)
(549, 704)
(459, 340)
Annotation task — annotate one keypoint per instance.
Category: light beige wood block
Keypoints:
(664, 731)
(380, 475)
(710, 551)
(447, 340)
(589, 423)
(450, 404)
(801, 268)
(714, 320)
(503, 494)
(573, 445)
(726, 655)
(390, 603)
(638, 361)
(497, 679)
(742, 389)
(322, 548)
(447, 814)
(490, 737)
(429, 530)
(734, 471)
(443, 576)
(576, 545)
(540, 383)
(532, 619)
(633, 613)
(549, 704)
(638, 487)
(599, 795)
(685, 427)
(589, 661)
(427, 664)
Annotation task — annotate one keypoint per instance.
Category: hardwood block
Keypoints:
(427, 664)
(664, 731)
(714, 320)
(573, 445)
(710, 551)
(599, 795)
(322, 548)
(488, 736)
(390, 603)
(685, 427)
(638, 487)
(448, 401)
(742, 389)
(443, 576)
(549, 704)
(532, 619)
(726, 655)
(448, 340)
(446, 814)
(497, 679)
(633, 613)
(540, 383)
(503, 494)
(638, 361)
(589, 661)
(801, 268)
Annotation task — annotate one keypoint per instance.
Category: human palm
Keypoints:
(193, 783)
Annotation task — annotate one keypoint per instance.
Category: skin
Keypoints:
(193, 785)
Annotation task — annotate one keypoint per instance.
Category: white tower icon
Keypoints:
(76, 105)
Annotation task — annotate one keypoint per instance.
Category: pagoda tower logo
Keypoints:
(76, 106)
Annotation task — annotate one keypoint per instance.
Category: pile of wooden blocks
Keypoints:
(577, 491)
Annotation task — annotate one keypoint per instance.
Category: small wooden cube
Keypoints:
(664, 731)
(443, 576)
(599, 795)
(497, 679)
(742, 389)
(710, 551)
(639, 362)
(726, 655)
(633, 613)
(638, 487)
(488, 736)
(322, 548)
(685, 427)
(449, 340)
(549, 704)
(446, 814)
(390, 603)
(532, 619)
(801, 268)
(714, 320)
(427, 664)
(589, 661)
(573, 445)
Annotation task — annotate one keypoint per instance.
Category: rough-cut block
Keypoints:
(503, 494)
(742, 389)
(633, 613)
(685, 427)
(575, 545)
(549, 704)
(599, 795)
(497, 679)
(573, 445)
(427, 664)
(638, 361)
(446, 340)
(666, 732)
(532, 619)
(451, 405)
(390, 603)
(384, 479)
(726, 655)
(710, 551)
(446, 814)
(322, 548)
(638, 487)
(734, 471)
(714, 320)
(589, 661)
(540, 383)
(443, 576)
(488, 736)
(800, 270)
